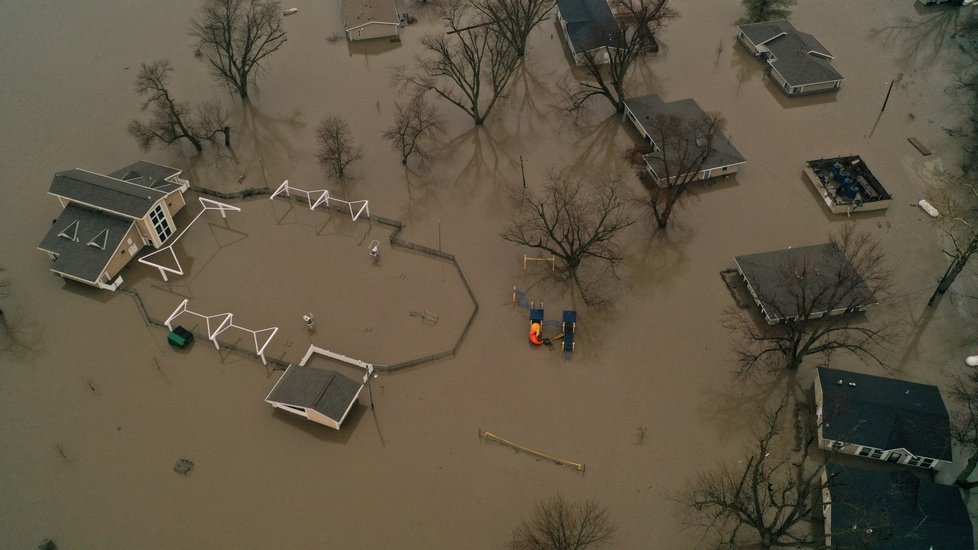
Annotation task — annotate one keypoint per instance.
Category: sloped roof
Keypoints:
(360, 12)
(884, 413)
(799, 57)
(895, 511)
(104, 192)
(325, 391)
(646, 108)
(149, 175)
(590, 23)
(768, 275)
(70, 235)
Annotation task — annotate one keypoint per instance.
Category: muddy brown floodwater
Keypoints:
(96, 408)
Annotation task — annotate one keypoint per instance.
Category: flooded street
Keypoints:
(97, 407)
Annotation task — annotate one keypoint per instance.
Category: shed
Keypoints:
(882, 419)
(320, 395)
(366, 19)
(836, 288)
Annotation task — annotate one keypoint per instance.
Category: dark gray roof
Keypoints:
(104, 192)
(895, 511)
(772, 276)
(884, 413)
(325, 391)
(799, 57)
(590, 23)
(148, 174)
(645, 109)
(82, 225)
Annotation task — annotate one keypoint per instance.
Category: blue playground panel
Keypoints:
(570, 323)
(536, 316)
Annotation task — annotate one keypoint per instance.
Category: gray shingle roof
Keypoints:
(895, 511)
(104, 192)
(75, 256)
(800, 57)
(361, 12)
(835, 286)
(884, 413)
(325, 391)
(148, 174)
(590, 23)
(646, 108)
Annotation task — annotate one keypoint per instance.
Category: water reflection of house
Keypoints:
(644, 112)
(589, 27)
(366, 19)
(107, 219)
(882, 419)
(895, 510)
(798, 62)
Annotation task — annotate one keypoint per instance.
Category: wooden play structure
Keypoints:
(538, 325)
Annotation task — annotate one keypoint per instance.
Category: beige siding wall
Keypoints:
(372, 30)
(321, 419)
(818, 87)
(121, 255)
(175, 202)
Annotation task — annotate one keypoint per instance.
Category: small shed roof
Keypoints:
(590, 23)
(646, 108)
(325, 391)
(769, 274)
(105, 192)
(884, 413)
(799, 57)
(895, 511)
(149, 175)
(357, 13)
(84, 241)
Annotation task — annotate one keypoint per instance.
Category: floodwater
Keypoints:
(97, 408)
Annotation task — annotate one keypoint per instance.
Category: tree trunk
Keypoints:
(227, 136)
(954, 269)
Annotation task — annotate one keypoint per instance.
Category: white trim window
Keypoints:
(160, 223)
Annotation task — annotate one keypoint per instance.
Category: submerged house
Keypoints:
(106, 220)
(895, 511)
(366, 19)
(831, 285)
(590, 28)
(847, 185)
(882, 419)
(320, 395)
(798, 62)
(642, 112)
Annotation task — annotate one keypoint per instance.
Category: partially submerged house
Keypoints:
(643, 112)
(320, 395)
(797, 61)
(882, 419)
(847, 185)
(367, 19)
(891, 511)
(590, 28)
(768, 274)
(107, 219)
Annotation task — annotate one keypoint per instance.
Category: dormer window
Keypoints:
(99, 241)
(70, 232)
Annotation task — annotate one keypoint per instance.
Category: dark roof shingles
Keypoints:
(78, 258)
(105, 192)
(325, 391)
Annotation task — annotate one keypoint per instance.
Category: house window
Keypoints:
(914, 461)
(927, 462)
(864, 451)
(836, 445)
(160, 223)
(877, 454)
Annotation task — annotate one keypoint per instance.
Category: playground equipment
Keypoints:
(551, 259)
(310, 321)
(374, 248)
(538, 325)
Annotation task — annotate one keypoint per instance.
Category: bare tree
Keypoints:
(964, 425)
(337, 149)
(416, 124)
(577, 218)
(513, 20)
(557, 524)
(959, 203)
(803, 294)
(173, 120)
(681, 147)
(638, 22)
(235, 36)
(766, 10)
(767, 493)
(463, 65)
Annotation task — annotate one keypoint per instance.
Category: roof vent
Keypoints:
(839, 382)
(852, 384)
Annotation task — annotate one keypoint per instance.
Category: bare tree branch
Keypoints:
(416, 124)
(336, 147)
(557, 524)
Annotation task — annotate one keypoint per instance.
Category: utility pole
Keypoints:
(522, 172)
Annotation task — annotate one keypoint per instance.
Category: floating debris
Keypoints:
(47, 544)
(183, 466)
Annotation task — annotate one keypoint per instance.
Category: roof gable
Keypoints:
(148, 175)
(324, 391)
(884, 413)
(84, 241)
(798, 56)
